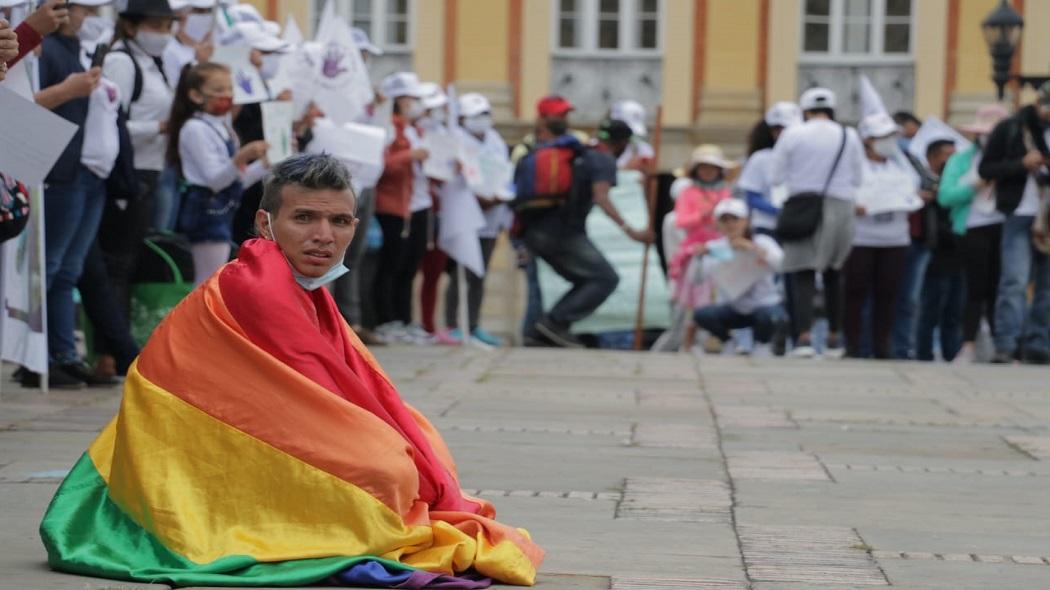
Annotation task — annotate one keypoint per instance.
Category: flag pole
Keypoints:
(650, 197)
(464, 314)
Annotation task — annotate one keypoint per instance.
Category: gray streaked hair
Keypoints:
(308, 171)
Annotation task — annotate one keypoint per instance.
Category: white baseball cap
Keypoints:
(363, 42)
(877, 125)
(178, 5)
(473, 104)
(401, 84)
(816, 98)
(256, 37)
(433, 96)
(783, 114)
(632, 113)
(735, 207)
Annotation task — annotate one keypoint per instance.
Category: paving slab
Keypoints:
(659, 471)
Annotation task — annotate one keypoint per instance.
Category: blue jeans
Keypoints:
(573, 256)
(908, 294)
(72, 213)
(943, 301)
(720, 319)
(168, 199)
(1021, 263)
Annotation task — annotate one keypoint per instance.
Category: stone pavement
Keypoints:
(640, 471)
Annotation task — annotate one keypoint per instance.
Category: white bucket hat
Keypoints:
(710, 154)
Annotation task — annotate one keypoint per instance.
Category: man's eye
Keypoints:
(342, 220)
(302, 217)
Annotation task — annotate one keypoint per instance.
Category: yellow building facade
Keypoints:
(713, 65)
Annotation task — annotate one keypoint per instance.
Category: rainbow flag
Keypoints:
(258, 443)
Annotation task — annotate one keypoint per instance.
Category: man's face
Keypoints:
(909, 129)
(313, 227)
(940, 157)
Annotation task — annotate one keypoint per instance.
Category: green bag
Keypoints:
(151, 302)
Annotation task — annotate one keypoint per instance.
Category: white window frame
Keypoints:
(836, 26)
(377, 34)
(587, 31)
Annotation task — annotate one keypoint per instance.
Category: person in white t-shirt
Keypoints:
(1017, 159)
(880, 242)
(748, 295)
(191, 38)
(476, 130)
(819, 159)
(755, 179)
(639, 154)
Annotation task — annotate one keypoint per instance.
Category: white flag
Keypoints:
(870, 101)
(343, 89)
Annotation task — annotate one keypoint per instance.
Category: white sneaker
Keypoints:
(803, 352)
(834, 353)
(761, 351)
(967, 355)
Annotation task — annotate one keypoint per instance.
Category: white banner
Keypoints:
(23, 293)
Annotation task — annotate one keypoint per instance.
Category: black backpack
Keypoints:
(123, 182)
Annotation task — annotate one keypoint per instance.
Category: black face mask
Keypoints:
(557, 126)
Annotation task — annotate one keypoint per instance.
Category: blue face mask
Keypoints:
(903, 143)
(721, 252)
(311, 283)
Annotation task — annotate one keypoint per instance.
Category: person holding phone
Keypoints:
(73, 197)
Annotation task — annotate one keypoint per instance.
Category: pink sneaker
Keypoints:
(444, 337)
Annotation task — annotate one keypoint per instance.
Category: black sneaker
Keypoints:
(1002, 358)
(779, 340)
(57, 378)
(86, 375)
(557, 335)
(1036, 357)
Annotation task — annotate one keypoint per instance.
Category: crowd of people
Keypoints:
(904, 250)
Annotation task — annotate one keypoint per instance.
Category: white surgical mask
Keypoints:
(885, 147)
(271, 62)
(310, 283)
(153, 43)
(478, 125)
(414, 110)
(95, 28)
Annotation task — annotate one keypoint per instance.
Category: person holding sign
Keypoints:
(475, 129)
(743, 267)
(191, 40)
(394, 193)
(214, 169)
(875, 265)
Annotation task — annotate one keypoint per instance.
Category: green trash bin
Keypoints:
(151, 301)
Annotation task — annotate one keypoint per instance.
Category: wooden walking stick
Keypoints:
(650, 197)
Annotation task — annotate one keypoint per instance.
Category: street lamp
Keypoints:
(1002, 31)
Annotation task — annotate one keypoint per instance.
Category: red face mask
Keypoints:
(218, 105)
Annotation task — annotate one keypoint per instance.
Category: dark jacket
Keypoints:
(59, 59)
(1003, 154)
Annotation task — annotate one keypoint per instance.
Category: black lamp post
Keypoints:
(1002, 31)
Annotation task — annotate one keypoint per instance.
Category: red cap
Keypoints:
(553, 106)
